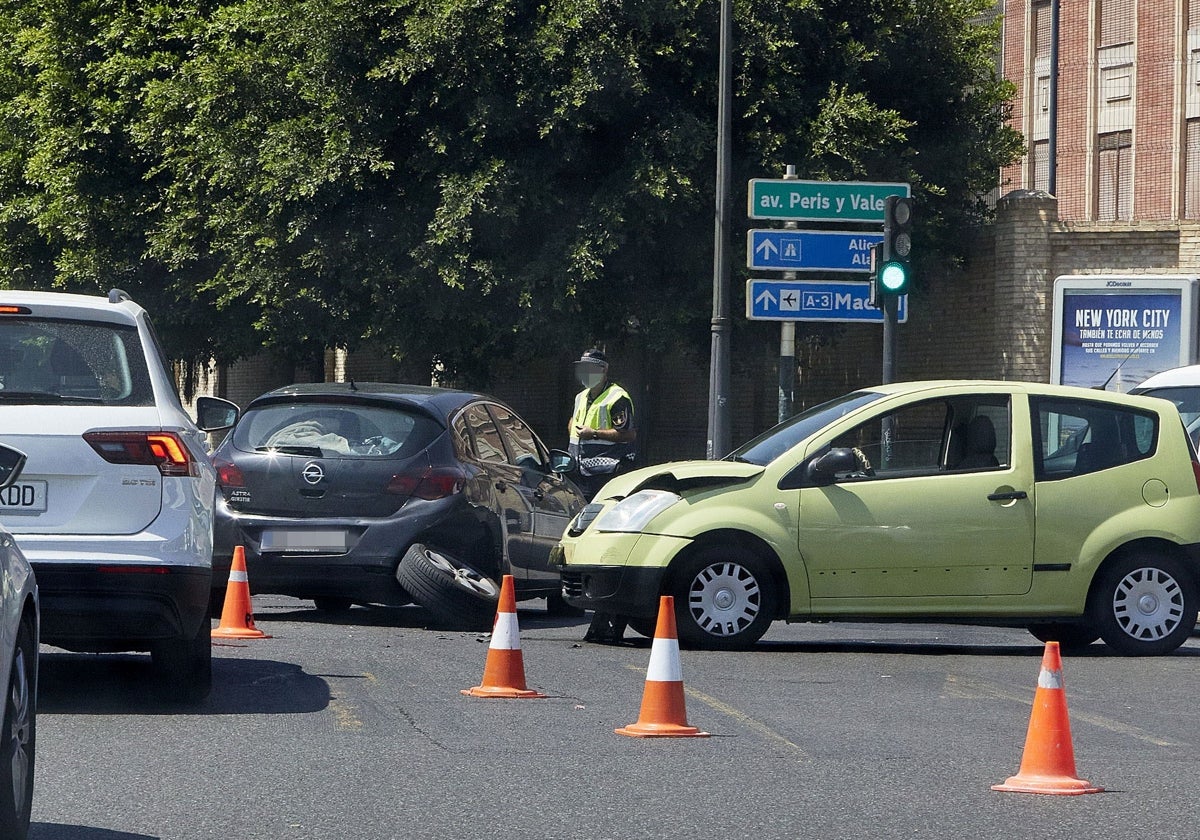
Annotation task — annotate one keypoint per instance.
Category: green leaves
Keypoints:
(457, 179)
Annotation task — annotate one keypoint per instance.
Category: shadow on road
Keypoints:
(412, 616)
(59, 831)
(925, 648)
(90, 684)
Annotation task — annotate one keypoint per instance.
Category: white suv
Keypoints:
(114, 508)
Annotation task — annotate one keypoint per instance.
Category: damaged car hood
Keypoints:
(682, 477)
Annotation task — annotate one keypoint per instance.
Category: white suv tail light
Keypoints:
(165, 450)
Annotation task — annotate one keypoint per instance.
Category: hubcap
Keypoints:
(1148, 604)
(724, 599)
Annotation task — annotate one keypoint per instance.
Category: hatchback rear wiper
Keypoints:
(309, 451)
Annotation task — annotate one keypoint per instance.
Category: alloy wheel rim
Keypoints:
(1148, 604)
(20, 713)
(466, 578)
(724, 598)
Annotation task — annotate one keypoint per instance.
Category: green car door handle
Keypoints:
(1005, 497)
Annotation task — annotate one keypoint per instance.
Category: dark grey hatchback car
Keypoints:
(382, 493)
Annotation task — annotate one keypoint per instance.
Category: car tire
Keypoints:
(18, 746)
(724, 598)
(331, 604)
(1144, 604)
(458, 595)
(1070, 635)
(184, 666)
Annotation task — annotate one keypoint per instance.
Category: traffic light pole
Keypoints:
(890, 306)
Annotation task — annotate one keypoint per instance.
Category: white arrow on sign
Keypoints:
(767, 247)
(766, 299)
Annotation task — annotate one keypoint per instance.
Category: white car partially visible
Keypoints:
(114, 509)
(1181, 386)
(19, 629)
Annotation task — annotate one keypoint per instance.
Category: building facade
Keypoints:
(1115, 134)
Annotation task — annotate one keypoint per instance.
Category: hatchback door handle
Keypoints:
(1006, 497)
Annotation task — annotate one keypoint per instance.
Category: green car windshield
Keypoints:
(774, 442)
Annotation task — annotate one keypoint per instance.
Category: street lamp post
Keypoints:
(719, 437)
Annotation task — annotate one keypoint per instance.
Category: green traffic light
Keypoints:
(893, 278)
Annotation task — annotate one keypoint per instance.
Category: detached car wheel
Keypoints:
(19, 740)
(184, 666)
(724, 599)
(1144, 604)
(457, 594)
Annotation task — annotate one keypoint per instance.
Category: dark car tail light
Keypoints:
(432, 483)
(229, 474)
(165, 450)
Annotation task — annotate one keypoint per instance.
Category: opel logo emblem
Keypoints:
(313, 472)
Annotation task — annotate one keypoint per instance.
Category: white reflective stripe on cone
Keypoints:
(238, 577)
(664, 661)
(506, 634)
(1050, 679)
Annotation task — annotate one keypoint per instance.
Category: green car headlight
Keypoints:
(634, 513)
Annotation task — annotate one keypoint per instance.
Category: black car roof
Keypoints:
(441, 402)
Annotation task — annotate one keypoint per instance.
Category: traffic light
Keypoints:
(895, 268)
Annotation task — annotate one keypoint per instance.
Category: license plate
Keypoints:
(24, 497)
(303, 541)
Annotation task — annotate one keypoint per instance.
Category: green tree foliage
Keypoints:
(460, 180)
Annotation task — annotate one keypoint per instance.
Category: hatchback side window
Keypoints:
(486, 442)
(526, 452)
(907, 441)
(980, 433)
(1077, 437)
(955, 434)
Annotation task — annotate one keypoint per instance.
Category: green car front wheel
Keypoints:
(724, 598)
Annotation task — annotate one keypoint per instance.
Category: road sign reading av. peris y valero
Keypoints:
(815, 300)
(820, 201)
(810, 250)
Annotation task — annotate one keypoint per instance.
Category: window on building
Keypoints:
(1115, 176)
(1041, 30)
(1116, 22)
(1191, 200)
(1041, 166)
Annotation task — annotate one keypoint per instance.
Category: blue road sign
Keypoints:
(815, 300)
(810, 250)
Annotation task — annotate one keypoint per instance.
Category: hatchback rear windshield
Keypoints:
(45, 361)
(332, 430)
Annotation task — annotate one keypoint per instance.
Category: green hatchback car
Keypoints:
(1074, 513)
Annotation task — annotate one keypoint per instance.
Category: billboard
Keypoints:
(1114, 331)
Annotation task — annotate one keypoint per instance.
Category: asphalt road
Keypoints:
(356, 729)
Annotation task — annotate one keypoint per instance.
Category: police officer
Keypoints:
(602, 441)
(602, 430)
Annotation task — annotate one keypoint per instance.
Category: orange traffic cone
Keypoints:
(1048, 763)
(237, 621)
(504, 673)
(663, 714)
